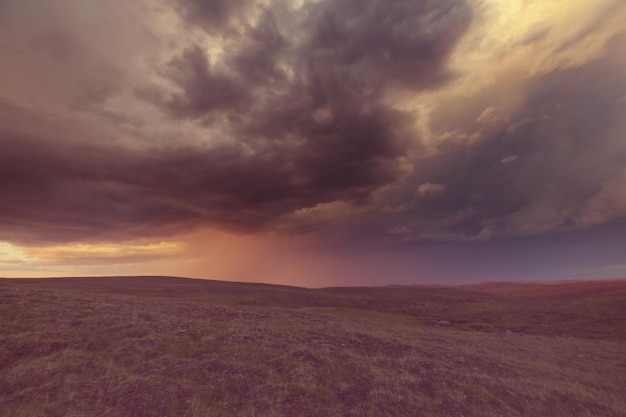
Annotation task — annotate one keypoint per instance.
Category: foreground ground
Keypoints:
(172, 347)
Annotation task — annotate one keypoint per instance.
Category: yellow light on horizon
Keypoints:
(10, 254)
(89, 252)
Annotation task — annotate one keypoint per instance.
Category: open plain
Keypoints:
(159, 346)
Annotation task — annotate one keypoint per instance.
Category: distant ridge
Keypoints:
(560, 287)
(522, 288)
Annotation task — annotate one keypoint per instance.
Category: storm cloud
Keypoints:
(387, 122)
(302, 116)
(554, 164)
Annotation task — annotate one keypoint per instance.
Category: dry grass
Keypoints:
(172, 347)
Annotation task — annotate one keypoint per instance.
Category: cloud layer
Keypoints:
(379, 121)
(289, 113)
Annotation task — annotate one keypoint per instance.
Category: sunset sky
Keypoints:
(313, 142)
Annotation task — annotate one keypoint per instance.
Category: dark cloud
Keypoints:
(381, 42)
(202, 89)
(320, 134)
(361, 48)
(560, 156)
(257, 58)
(97, 191)
(211, 15)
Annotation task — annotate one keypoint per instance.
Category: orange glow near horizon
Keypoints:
(205, 254)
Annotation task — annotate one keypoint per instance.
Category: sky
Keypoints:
(314, 142)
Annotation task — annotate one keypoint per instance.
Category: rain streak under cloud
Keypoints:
(313, 142)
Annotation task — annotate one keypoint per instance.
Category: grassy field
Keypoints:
(155, 346)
